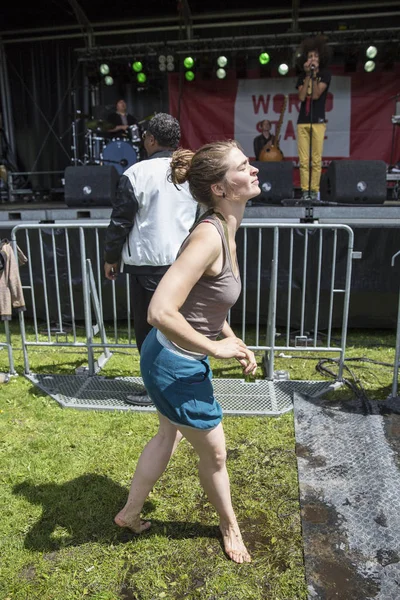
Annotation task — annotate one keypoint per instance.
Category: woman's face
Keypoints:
(241, 177)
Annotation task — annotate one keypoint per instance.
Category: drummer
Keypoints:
(122, 121)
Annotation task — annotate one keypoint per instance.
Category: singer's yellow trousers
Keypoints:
(303, 148)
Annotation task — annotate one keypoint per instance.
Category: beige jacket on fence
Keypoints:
(11, 294)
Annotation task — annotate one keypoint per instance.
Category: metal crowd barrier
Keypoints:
(7, 346)
(294, 286)
(397, 350)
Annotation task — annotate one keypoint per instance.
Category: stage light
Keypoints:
(222, 61)
(104, 69)
(371, 52)
(162, 67)
(283, 69)
(221, 73)
(141, 77)
(108, 80)
(137, 66)
(189, 75)
(264, 58)
(369, 66)
(162, 59)
(188, 62)
(170, 63)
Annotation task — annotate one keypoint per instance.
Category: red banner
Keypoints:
(359, 111)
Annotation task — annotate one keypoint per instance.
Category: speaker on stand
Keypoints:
(89, 185)
(354, 182)
(276, 181)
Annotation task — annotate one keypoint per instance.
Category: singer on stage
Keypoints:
(313, 85)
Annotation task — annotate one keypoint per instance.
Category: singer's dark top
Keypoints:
(318, 106)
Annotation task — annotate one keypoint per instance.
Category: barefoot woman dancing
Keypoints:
(188, 313)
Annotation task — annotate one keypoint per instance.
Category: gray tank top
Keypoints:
(209, 301)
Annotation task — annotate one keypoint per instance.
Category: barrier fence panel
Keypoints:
(397, 350)
(57, 288)
(6, 346)
(295, 289)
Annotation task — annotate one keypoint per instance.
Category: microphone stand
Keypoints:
(311, 124)
(393, 130)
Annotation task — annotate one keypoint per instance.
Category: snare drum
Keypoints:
(120, 154)
(134, 133)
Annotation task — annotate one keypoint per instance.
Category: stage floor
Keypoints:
(382, 215)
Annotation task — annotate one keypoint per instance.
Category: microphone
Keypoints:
(312, 67)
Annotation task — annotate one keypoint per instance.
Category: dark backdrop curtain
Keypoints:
(47, 85)
(42, 78)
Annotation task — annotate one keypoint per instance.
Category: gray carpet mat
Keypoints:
(348, 455)
(236, 396)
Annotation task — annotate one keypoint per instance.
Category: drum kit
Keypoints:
(102, 147)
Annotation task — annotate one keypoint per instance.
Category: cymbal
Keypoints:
(78, 114)
(99, 125)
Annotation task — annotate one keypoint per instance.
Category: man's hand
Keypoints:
(111, 271)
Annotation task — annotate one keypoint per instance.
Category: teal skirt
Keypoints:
(179, 386)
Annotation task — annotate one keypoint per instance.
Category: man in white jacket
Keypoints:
(150, 219)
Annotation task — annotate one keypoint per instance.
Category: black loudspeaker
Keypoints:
(90, 185)
(354, 182)
(276, 181)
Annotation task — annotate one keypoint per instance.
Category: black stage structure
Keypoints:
(51, 88)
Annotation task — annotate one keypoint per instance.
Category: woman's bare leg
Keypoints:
(151, 465)
(210, 446)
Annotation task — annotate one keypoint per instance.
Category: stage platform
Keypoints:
(382, 215)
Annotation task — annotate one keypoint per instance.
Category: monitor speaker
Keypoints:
(90, 185)
(276, 182)
(354, 182)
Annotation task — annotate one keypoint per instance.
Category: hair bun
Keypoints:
(180, 165)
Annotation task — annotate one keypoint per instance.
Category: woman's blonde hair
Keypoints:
(202, 169)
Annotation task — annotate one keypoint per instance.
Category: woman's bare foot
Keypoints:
(137, 525)
(233, 544)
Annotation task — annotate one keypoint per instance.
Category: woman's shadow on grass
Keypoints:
(82, 511)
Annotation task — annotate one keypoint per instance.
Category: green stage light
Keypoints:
(369, 66)
(108, 80)
(264, 58)
(371, 52)
(221, 73)
(104, 69)
(141, 77)
(189, 75)
(283, 69)
(188, 62)
(222, 61)
(137, 66)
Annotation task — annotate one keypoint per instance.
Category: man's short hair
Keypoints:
(166, 130)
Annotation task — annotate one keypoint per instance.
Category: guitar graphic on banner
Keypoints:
(272, 152)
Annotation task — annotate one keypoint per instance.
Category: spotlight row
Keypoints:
(222, 62)
(137, 68)
(167, 63)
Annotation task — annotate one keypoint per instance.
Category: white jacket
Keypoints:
(165, 214)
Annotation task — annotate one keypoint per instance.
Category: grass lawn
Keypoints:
(65, 473)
